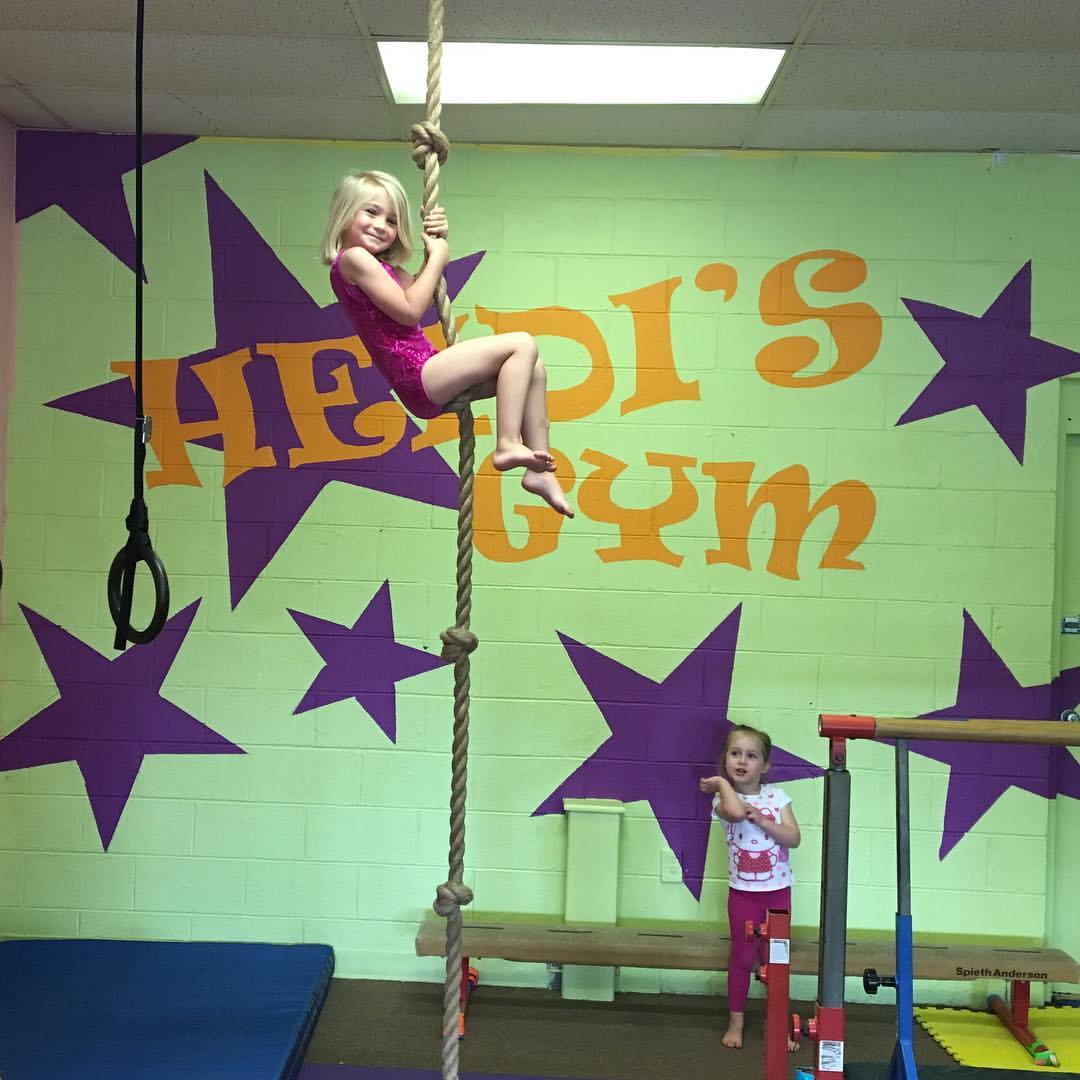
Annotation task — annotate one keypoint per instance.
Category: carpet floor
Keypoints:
(535, 1033)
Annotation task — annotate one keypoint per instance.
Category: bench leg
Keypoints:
(1015, 1019)
(1020, 1000)
(469, 978)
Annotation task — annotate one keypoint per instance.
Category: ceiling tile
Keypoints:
(275, 67)
(855, 129)
(660, 126)
(245, 66)
(735, 22)
(253, 18)
(67, 15)
(827, 77)
(982, 25)
(38, 59)
(23, 111)
(83, 109)
(226, 115)
(869, 73)
(296, 117)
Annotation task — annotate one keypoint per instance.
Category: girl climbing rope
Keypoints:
(368, 234)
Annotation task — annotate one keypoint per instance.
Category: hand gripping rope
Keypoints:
(121, 586)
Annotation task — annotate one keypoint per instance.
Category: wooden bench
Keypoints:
(675, 947)
(703, 950)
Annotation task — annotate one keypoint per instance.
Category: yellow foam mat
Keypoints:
(979, 1039)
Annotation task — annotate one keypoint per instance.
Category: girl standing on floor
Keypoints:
(367, 236)
(761, 829)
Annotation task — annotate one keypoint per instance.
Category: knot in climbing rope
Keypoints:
(458, 642)
(427, 138)
(450, 896)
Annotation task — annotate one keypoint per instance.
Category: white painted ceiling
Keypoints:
(861, 74)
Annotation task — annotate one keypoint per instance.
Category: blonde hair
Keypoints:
(351, 194)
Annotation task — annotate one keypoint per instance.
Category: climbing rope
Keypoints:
(430, 149)
(121, 582)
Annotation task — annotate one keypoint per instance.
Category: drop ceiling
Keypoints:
(934, 75)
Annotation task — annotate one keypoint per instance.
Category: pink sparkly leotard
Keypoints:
(399, 352)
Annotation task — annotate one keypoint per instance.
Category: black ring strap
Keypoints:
(138, 549)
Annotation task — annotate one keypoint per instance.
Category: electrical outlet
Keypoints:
(670, 870)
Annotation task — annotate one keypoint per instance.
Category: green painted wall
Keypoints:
(324, 830)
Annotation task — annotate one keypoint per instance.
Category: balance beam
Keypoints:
(1034, 732)
(701, 950)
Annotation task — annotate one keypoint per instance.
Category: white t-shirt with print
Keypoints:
(756, 862)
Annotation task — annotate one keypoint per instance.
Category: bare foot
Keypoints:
(733, 1036)
(792, 1046)
(548, 488)
(520, 456)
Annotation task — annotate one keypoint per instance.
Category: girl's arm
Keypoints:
(785, 831)
(404, 303)
(727, 804)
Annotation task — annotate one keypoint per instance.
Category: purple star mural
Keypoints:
(980, 773)
(991, 361)
(363, 661)
(82, 173)
(257, 301)
(664, 737)
(109, 716)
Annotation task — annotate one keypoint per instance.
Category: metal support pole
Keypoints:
(902, 1066)
(828, 1030)
(903, 831)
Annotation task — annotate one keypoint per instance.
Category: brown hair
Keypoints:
(745, 729)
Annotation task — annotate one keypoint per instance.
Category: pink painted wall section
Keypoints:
(8, 259)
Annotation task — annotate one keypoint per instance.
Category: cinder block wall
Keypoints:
(7, 289)
(729, 351)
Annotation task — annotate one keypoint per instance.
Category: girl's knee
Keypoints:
(523, 342)
(539, 372)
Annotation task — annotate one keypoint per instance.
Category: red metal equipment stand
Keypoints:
(776, 975)
(827, 1030)
(1014, 1016)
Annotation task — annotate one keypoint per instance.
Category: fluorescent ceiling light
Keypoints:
(486, 73)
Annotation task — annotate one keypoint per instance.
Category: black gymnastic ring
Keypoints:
(123, 561)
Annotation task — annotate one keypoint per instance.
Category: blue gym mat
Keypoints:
(385, 1072)
(166, 1010)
